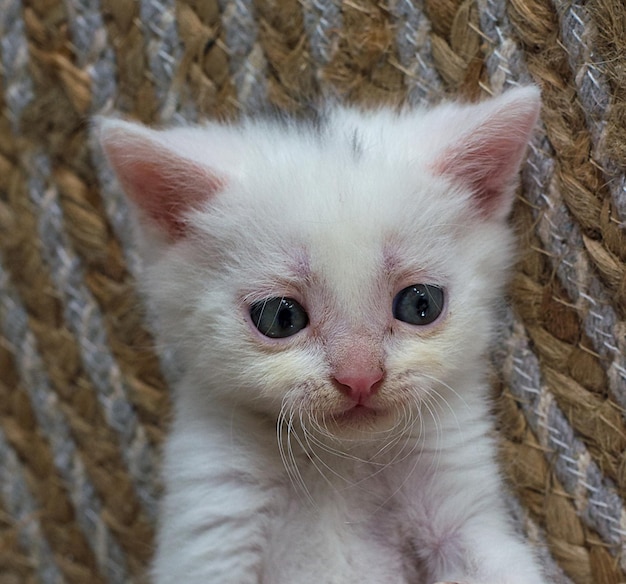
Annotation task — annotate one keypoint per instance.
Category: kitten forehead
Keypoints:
(347, 226)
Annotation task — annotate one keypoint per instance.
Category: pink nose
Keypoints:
(360, 386)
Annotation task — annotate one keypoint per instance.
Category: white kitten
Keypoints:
(330, 290)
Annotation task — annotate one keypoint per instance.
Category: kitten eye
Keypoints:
(278, 318)
(419, 304)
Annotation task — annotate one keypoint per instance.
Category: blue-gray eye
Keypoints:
(278, 318)
(419, 304)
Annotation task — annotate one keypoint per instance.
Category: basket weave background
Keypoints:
(83, 399)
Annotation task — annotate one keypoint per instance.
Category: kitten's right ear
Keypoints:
(164, 185)
(488, 145)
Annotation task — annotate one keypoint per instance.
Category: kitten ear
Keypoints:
(487, 155)
(164, 185)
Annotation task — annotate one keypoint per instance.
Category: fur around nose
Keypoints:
(359, 386)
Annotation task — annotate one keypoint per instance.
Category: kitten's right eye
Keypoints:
(419, 304)
(278, 318)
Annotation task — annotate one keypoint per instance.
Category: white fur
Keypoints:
(413, 497)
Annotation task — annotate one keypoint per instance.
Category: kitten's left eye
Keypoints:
(278, 318)
(419, 304)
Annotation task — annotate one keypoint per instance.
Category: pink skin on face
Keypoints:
(354, 349)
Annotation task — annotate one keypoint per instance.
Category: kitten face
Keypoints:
(345, 265)
(344, 278)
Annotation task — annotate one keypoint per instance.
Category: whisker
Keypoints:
(308, 454)
(448, 387)
(326, 447)
(289, 459)
(410, 420)
(427, 401)
(405, 439)
(311, 442)
(438, 398)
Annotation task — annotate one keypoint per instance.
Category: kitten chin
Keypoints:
(330, 291)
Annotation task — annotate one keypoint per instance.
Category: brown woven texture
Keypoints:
(294, 51)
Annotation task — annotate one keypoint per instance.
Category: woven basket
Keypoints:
(83, 398)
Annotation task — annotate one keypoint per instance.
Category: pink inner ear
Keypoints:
(164, 186)
(488, 168)
(487, 159)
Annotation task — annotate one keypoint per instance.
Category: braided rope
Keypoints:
(87, 324)
(415, 52)
(564, 242)
(70, 330)
(56, 430)
(598, 504)
(163, 54)
(292, 82)
(322, 21)
(81, 310)
(577, 30)
(23, 509)
(18, 84)
(599, 507)
(246, 58)
(95, 54)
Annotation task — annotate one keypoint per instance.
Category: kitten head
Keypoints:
(343, 273)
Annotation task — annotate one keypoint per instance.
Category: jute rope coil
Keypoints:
(83, 395)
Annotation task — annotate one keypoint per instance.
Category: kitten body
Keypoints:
(346, 437)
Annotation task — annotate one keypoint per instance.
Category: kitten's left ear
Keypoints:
(487, 154)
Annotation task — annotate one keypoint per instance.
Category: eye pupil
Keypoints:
(419, 304)
(278, 317)
(285, 319)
